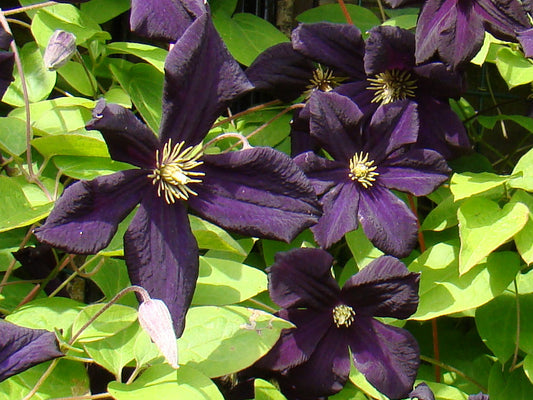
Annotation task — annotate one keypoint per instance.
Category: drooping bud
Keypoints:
(155, 319)
(61, 47)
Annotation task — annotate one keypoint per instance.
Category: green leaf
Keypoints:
(528, 367)
(144, 84)
(524, 172)
(68, 18)
(496, 324)
(210, 236)
(359, 380)
(111, 276)
(49, 313)
(88, 167)
(222, 7)
(363, 18)
(468, 183)
(223, 340)
(524, 238)
(504, 385)
(483, 227)
(445, 392)
(39, 80)
(406, 21)
(12, 136)
(514, 68)
(76, 76)
(442, 217)
(114, 352)
(68, 379)
(443, 291)
(116, 246)
(227, 282)
(104, 10)
(70, 145)
(247, 35)
(113, 320)
(164, 382)
(362, 249)
(118, 96)
(151, 54)
(266, 391)
(9, 242)
(489, 121)
(18, 212)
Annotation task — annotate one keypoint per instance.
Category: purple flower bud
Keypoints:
(61, 47)
(155, 319)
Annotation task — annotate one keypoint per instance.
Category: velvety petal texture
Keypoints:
(313, 359)
(200, 66)
(162, 255)
(87, 214)
(256, 192)
(164, 19)
(22, 348)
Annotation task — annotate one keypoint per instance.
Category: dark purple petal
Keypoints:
(334, 123)
(164, 19)
(449, 28)
(325, 373)
(302, 278)
(22, 348)
(422, 392)
(387, 356)
(526, 41)
(449, 136)
(479, 396)
(387, 221)
(296, 345)
(340, 46)
(87, 214)
(281, 71)
(438, 81)
(502, 18)
(162, 255)
(384, 288)
(255, 192)
(389, 48)
(322, 173)
(127, 138)
(418, 171)
(339, 207)
(201, 77)
(392, 126)
(7, 61)
(301, 140)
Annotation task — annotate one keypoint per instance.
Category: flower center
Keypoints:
(343, 315)
(362, 170)
(322, 80)
(392, 85)
(174, 171)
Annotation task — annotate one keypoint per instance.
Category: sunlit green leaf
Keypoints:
(514, 68)
(469, 183)
(362, 17)
(151, 54)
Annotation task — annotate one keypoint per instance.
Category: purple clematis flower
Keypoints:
(454, 29)
(164, 20)
(7, 61)
(254, 192)
(479, 396)
(355, 187)
(22, 348)
(394, 75)
(313, 359)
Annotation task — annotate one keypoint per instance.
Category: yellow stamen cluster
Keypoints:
(362, 170)
(343, 315)
(392, 85)
(322, 80)
(174, 171)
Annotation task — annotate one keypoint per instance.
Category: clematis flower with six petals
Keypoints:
(313, 359)
(355, 187)
(255, 192)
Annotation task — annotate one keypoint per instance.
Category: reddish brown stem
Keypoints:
(434, 330)
(245, 112)
(345, 12)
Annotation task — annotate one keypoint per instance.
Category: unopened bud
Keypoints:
(155, 319)
(61, 47)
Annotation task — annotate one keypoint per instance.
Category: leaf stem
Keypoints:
(455, 370)
(91, 396)
(41, 380)
(242, 139)
(246, 112)
(29, 8)
(517, 344)
(263, 305)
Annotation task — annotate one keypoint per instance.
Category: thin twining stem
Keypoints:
(242, 139)
(246, 112)
(345, 12)
(28, 8)
(455, 370)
